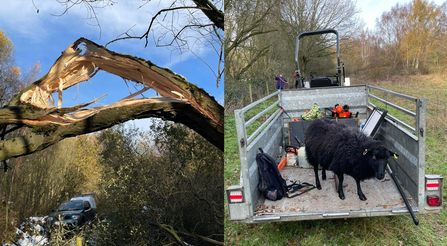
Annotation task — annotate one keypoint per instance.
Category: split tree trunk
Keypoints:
(33, 107)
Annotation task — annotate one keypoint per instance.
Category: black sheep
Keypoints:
(343, 149)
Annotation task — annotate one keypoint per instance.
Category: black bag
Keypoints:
(271, 183)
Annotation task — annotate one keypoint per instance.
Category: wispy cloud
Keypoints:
(220, 99)
(42, 36)
(114, 20)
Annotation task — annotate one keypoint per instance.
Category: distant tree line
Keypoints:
(408, 39)
(260, 39)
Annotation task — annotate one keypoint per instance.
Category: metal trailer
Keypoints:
(383, 198)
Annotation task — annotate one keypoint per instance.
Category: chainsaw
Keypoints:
(341, 111)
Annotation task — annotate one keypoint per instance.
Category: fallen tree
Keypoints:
(33, 107)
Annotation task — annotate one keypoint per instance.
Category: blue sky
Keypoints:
(41, 37)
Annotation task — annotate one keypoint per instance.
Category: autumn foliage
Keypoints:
(408, 39)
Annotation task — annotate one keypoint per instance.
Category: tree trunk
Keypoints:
(267, 86)
(5, 195)
(215, 15)
(249, 92)
(182, 101)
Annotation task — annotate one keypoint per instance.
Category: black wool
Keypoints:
(344, 150)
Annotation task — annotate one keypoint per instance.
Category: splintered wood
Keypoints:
(83, 59)
(34, 107)
(78, 64)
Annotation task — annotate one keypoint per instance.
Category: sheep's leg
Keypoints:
(317, 181)
(340, 186)
(324, 173)
(359, 190)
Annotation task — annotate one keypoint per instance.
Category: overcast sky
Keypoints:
(41, 37)
(373, 9)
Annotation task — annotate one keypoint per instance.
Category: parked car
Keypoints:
(86, 197)
(72, 214)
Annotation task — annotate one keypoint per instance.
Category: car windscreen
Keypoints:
(72, 205)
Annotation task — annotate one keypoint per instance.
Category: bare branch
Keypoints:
(37, 9)
(176, 36)
(260, 54)
(90, 6)
(146, 34)
(215, 15)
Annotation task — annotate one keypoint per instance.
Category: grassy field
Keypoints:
(397, 230)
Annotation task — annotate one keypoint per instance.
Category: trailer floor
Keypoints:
(380, 194)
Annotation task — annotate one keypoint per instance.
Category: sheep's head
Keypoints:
(377, 159)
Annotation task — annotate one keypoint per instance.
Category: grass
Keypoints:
(231, 158)
(256, 110)
(406, 104)
(396, 230)
(434, 89)
(232, 162)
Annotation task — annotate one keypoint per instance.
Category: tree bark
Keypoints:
(181, 101)
(215, 15)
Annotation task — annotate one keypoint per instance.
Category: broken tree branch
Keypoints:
(32, 106)
(137, 93)
(214, 14)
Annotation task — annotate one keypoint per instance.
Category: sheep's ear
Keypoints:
(393, 154)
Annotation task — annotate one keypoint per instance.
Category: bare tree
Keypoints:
(406, 39)
(391, 28)
(245, 21)
(301, 15)
(260, 40)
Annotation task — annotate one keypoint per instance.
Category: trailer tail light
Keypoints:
(433, 201)
(238, 208)
(236, 196)
(434, 186)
